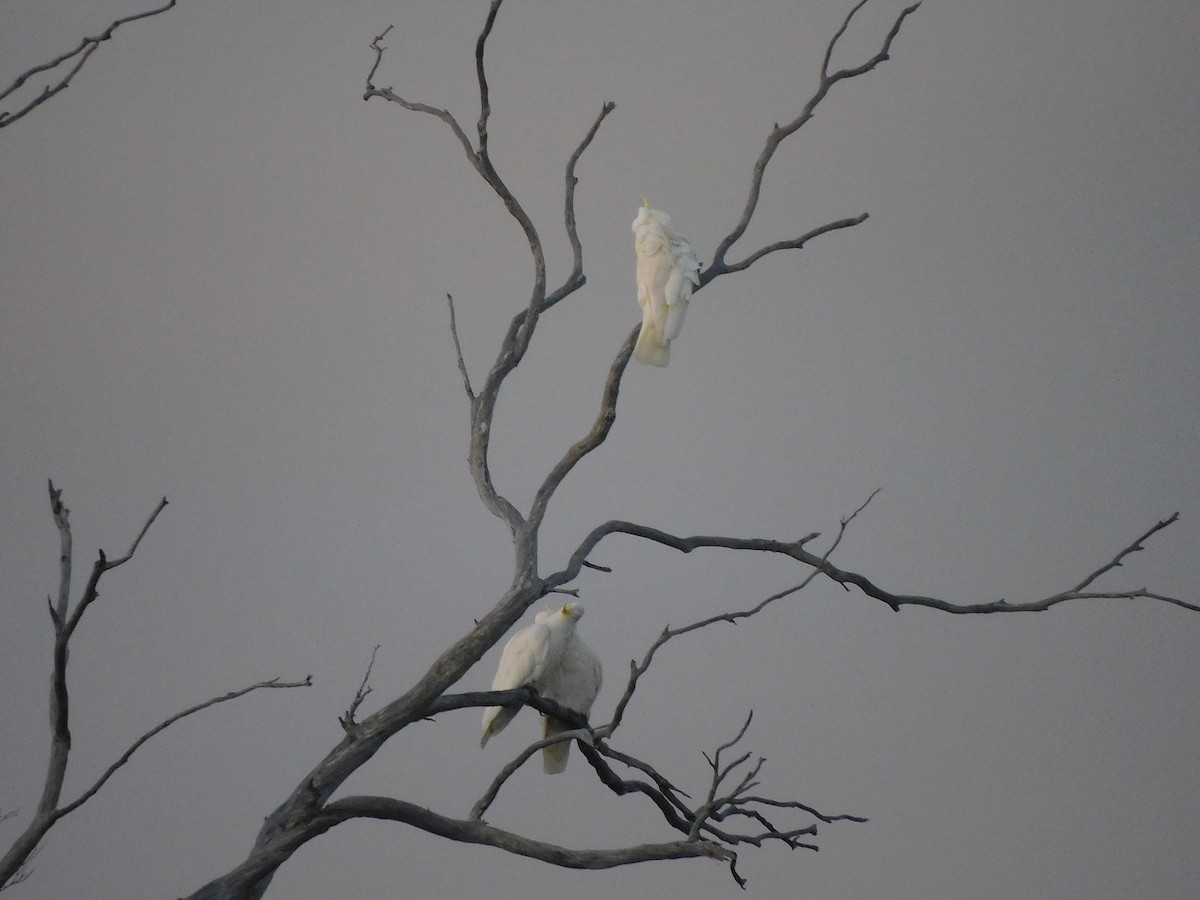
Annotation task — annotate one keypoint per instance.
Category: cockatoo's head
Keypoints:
(647, 215)
(572, 611)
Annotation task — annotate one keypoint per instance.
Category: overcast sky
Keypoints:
(223, 279)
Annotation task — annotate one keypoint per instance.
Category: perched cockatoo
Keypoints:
(573, 683)
(667, 271)
(549, 657)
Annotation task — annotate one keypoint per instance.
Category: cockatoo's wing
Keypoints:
(573, 683)
(522, 662)
(684, 274)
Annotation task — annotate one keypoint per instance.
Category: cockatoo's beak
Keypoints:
(645, 202)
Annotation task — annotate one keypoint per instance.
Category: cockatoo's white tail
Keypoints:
(554, 757)
(651, 349)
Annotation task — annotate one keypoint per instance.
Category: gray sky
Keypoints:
(222, 278)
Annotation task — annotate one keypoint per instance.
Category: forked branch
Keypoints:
(13, 865)
(80, 55)
(847, 579)
(778, 134)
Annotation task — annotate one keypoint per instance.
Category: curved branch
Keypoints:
(583, 735)
(462, 363)
(778, 135)
(167, 723)
(48, 811)
(723, 268)
(576, 279)
(86, 48)
(847, 578)
(485, 108)
(478, 832)
(593, 439)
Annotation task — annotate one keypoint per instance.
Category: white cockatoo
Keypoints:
(549, 657)
(667, 271)
(574, 683)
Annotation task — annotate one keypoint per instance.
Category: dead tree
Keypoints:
(731, 813)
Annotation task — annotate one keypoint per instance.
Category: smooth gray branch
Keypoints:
(777, 135)
(273, 683)
(462, 363)
(481, 805)
(593, 439)
(477, 832)
(346, 720)
(80, 54)
(13, 864)
(795, 549)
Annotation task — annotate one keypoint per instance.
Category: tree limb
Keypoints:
(462, 364)
(777, 136)
(167, 723)
(796, 551)
(13, 864)
(86, 48)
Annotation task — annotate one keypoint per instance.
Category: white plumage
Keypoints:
(574, 683)
(667, 271)
(550, 657)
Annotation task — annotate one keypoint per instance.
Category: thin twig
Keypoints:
(1135, 547)
(481, 805)
(162, 726)
(346, 720)
(462, 365)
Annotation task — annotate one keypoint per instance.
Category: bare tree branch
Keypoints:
(776, 137)
(346, 720)
(477, 832)
(795, 550)
(481, 805)
(520, 332)
(1135, 547)
(13, 865)
(576, 279)
(462, 364)
(167, 723)
(80, 54)
(593, 439)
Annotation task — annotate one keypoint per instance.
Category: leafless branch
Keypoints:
(520, 332)
(346, 720)
(795, 549)
(636, 671)
(576, 279)
(1135, 547)
(593, 439)
(80, 54)
(462, 365)
(13, 865)
(167, 723)
(481, 805)
(477, 832)
(776, 137)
